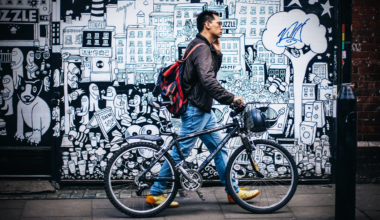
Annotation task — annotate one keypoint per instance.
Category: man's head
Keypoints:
(209, 21)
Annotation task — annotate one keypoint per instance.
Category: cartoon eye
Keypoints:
(95, 87)
(22, 88)
(34, 89)
(5, 81)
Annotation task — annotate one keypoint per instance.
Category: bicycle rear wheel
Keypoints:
(121, 181)
(280, 176)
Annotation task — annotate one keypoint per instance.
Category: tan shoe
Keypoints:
(158, 200)
(244, 195)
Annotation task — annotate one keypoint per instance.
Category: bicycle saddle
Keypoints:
(158, 105)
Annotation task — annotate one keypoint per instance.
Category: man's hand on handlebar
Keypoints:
(238, 101)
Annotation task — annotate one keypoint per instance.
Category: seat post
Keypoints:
(167, 118)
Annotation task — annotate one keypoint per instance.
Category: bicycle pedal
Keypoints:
(200, 195)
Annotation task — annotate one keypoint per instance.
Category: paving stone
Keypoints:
(89, 194)
(27, 196)
(374, 143)
(312, 200)
(368, 203)
(234, 211)
(10, 213)
(64, 196)
(12, 204)
(210, 215)
(113, 213)
(307, 212)
(125, 194)
(362, 143)
(57, 208)
(101, 204)
(101, 195)
(77, 194)
(373, 214)
(40, 196)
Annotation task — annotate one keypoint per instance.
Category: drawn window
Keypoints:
(96, 36)
(179, 33)
(167, 51)
(132, 51)
(262, 10)
(261, 73)
(69, 40)
(280, 60)
(149, 43)
(194, 14)
(224, 59)
(179, 14)
(105, 43)
(106, 35)
(270, 10)
(272, 60)
(132, 58)
(223, 46)
(160, 20)
(139, 44)
(141, 59)
(160, 35)
(254, 79)
(229, 46)
(179, 23)
(262, 21)
(140, 51)
(242, 30)
(120, 59)
(78, 39)
(254, 20)
(148, 34)
(97, 42)
(253, 10)
(120, 44)
(148, 50)
(235, 45)
(148, 59)
(261, 31)
(243, 21)
(243, 10)
(88, 42)
(253, 32)
(228, 59)
(131, 43)
(140, 34)
(88, 36)
(119, 50)
(261, 49)
(156, 20)
(159, 45)
(266, 55)
(186, 14)
(235, 59)
(272, 55)
(267, 60)
(255, 73)
(165, 34)
(132, 34)
(255, 68)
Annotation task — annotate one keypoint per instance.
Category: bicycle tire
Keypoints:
(265, 196)
(114, 198)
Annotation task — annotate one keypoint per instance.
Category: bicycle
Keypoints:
(257, 164)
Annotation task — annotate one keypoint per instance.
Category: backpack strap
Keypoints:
(195, 47)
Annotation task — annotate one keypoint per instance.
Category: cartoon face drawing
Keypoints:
(8, 87)
(46, 84)
(30, 58)
(28, 90)
(94, 91)
(17, 58)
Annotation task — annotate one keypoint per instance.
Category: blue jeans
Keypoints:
(194, 120)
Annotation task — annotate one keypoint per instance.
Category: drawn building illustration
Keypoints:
(96, 63)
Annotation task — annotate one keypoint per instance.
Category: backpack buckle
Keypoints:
(171, 100)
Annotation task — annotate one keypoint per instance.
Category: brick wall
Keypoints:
(366, 66)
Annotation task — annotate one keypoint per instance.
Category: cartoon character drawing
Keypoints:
(56, 113)
(125, 102)
(119, 106)
(71, 112)
(31, 67)
(46, 84)
(72, 78)
(56, 78)
(8, 94)
(135, 103)
(16, 65)
(32, 110)
(84, 110)
(111, 94)
(94, 97)
(56, 129)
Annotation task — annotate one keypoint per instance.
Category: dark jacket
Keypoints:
(200, 84)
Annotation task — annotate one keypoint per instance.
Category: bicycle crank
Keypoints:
(192, 184)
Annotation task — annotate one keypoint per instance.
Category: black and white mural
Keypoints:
(104, 56)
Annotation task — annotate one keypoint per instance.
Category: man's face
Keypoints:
(216, 27)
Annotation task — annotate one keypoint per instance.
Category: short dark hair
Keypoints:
(207, 15)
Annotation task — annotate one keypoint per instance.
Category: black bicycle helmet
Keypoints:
(254, 119)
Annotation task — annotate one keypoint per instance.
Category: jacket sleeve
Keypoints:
(204, 67)
(220, 58)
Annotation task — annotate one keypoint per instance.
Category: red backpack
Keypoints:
(169, 82)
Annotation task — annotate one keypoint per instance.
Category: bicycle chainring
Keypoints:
(194, 184)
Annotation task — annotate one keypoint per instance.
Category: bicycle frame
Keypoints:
(235, 126)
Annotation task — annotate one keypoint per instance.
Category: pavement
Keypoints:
(90, 202)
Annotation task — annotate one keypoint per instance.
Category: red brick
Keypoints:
(358, 17)
(360, 137)
(371, 107)
(363, 115)
(365, 99)
(371, 54)
(363, 130)
(363, 55)
(368, 47)
(358, 2)
(372, 24)
(370, 123)
(355, 24)
(355, 10)
(372, 85)
(371, 137)
(372, 10)
(355, 54)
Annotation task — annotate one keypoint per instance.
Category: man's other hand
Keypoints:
(236, 98)
(216, 46)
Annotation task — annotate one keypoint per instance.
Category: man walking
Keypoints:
(200, 86)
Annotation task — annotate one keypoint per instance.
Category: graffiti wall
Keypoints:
(103, 57)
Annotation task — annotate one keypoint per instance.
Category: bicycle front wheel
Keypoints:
(280, 176)
(123, 187)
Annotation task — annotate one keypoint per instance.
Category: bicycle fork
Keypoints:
(249, 145)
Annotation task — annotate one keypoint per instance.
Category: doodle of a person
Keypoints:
(46, 83)
(56, 77)
(250, 54)
(135, 103)
(111, 94)
(71, 113)
(56, 130)
(143, 78)
(55, 114)
(72, 75)
(125, 101)
(31, 67)
(84, 110)
(94, 97)
(8, 94)
(144, 107)
(119, 106)
(16, 65)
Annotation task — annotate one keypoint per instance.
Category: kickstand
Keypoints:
(201, 195)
